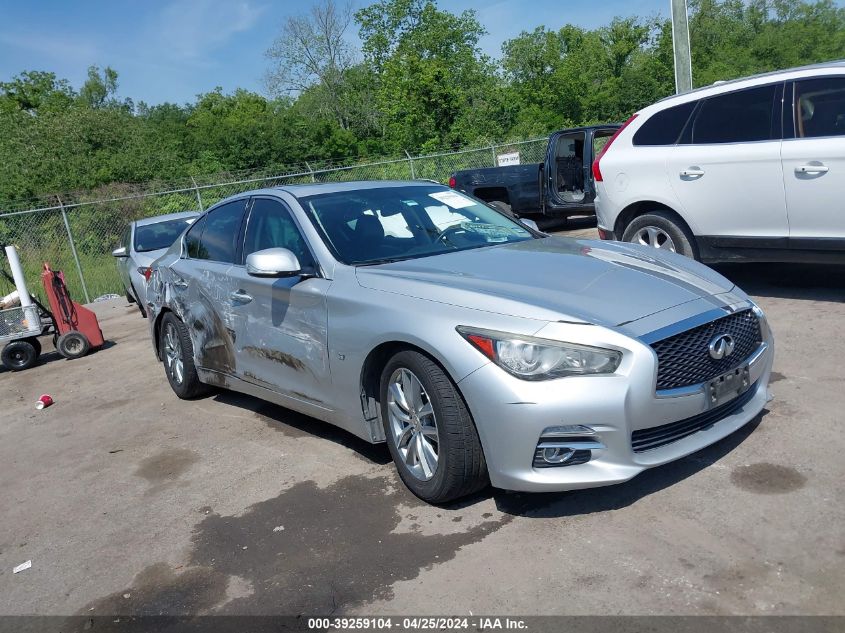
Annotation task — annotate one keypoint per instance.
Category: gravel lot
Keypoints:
(128, 500)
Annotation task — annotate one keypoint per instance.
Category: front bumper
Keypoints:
(511, 414)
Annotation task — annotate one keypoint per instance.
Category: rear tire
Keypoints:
(73, 345)
(19, 355)
(430, 421)
(177, 353)
(662, 231)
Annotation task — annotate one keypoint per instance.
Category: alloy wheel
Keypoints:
(413, 424)
(655, 237)
(173, 353)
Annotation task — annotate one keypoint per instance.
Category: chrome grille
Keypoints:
(684, 359)
(657, 436)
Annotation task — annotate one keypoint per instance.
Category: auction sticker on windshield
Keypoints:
(452, 199)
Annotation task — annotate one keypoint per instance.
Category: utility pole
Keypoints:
(680, 45)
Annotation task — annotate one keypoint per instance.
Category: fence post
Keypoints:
(411, 163)
(495, 159)
(313, 179)
(73, 251)
(199, 197)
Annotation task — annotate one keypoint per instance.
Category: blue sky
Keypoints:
(171, 50)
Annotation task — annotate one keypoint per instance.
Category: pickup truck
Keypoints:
(561, 187)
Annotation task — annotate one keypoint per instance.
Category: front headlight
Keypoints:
(532, 358)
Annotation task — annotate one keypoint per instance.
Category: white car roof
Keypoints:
(825, 68)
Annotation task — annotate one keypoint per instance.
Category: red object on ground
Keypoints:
(69, 315)
(43, 402)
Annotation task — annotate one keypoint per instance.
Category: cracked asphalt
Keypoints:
(130, 501)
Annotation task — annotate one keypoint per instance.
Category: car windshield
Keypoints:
(372, 226)
(152, 237)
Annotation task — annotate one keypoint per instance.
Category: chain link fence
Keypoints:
(76, 233)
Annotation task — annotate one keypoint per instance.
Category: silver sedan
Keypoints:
(480, 350)
(143, 242)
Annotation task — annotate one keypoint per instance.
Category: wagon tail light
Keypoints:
(146, 272)
(596, 163)
(452, 182)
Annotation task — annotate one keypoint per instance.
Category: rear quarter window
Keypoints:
(664, 127)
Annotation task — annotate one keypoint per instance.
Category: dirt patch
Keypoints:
(322, 550)
(277, 356)
(776, 376)
(167, 465)
(767, 478)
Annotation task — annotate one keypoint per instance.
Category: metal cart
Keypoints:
(74, 333)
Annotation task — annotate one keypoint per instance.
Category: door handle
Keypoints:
(692, 172)
(239, 296)
(811, 169)
(180, 283)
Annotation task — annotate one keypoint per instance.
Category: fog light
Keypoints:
(557, 455)
(566, 445)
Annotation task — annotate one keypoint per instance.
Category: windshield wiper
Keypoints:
(387, 260)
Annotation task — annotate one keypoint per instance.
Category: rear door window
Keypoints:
(220, 237)
(664, 127)
(737, 117)
(820, 107)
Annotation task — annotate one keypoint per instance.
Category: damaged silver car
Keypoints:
(478, 348)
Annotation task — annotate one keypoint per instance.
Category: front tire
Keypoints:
(19, 355)
(177, 353)
(430, 432)
(662, 231)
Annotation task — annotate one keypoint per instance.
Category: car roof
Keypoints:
(300, 191)
(164, 218)
(726, 86)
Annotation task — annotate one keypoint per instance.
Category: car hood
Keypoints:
(605, 283)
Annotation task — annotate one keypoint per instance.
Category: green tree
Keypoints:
(432, 79)
(100, 87)
(34, 92)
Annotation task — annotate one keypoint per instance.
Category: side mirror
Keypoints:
(272, 262)
(120, 252)
(531, 224)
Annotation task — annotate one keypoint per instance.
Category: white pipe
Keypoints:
(17, 275)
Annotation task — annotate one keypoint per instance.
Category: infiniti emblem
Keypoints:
(721, 346)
